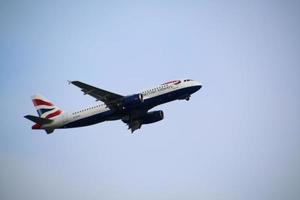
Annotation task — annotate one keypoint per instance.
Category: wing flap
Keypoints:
(134, 125)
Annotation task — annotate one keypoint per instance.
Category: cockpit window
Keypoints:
(186, 80)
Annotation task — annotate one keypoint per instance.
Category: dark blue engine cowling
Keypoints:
(132, 101)
(152, 117)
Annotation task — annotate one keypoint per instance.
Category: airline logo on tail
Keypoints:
(45, 108)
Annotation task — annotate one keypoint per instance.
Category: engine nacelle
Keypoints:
(132, 101)
(152, 117)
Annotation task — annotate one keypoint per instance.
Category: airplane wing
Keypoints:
(107, 97)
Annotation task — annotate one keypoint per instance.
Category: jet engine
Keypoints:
(132, 101)
(152, 117)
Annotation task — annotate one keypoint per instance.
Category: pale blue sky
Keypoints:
(238, 137)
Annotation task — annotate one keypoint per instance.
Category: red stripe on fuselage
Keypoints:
(39, 102)
(53, 114)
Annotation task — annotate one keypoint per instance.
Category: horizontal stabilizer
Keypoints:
(38, 120)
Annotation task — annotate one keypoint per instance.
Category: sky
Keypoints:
(237, 138)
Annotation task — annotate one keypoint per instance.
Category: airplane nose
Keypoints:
(198, 87)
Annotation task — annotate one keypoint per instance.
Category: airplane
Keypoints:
(132, 109)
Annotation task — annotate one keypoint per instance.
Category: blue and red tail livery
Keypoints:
(44, 107)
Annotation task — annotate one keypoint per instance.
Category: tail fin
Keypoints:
(45, 108)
